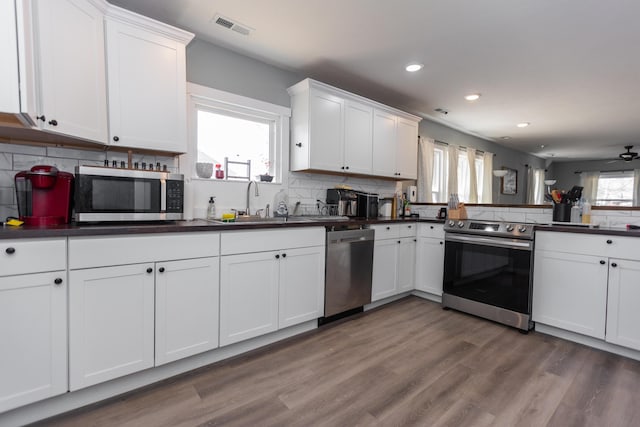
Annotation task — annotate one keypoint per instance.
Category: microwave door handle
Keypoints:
(163, 195)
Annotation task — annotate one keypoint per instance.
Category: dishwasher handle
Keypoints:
(350, 236)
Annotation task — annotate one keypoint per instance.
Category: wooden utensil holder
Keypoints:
(460, 213)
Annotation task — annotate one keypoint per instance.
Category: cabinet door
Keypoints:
(70, 54)
(406, 264)
(111, 312)
(430, 265)
(570, 292)
(186, 308)
(33, 332)
(147, 89)
(9, 80)
(248, 296)
(385, 259)
(384, 144)
(326, 131)
(301, 292)
(358, 138)
(623, 313)
(407, 149)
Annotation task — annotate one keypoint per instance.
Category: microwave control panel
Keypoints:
(175, 196)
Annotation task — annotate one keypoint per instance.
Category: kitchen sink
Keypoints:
(260, 220)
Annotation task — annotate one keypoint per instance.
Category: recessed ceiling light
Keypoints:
(472, 97)
(413, 67)
(523, 124)
(504, 138)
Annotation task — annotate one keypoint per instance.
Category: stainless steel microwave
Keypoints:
(112, 194)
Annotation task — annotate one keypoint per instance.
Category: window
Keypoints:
(439, 183)
(464, 186)
(615, 189)
(242, 129)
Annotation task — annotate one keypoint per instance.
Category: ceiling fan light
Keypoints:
(412, 68)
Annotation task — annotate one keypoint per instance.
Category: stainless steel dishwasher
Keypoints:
(349, 265)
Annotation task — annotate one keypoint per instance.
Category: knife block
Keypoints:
(460, 213)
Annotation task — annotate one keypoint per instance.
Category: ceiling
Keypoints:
(571, 68)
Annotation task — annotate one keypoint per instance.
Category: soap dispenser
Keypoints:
(211, 210)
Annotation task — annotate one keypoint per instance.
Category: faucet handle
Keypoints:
(259, 211)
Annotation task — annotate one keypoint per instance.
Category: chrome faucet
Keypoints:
(257, 193)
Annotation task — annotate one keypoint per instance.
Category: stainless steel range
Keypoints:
(487, 270)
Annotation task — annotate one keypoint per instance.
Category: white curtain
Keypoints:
(636, 187)
(425, 169)
(589, 182)
(452, 175)
(535, 186)
(487, 180)
(473, 176)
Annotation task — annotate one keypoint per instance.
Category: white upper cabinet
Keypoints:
(9, 80)
(69, 50)
(358, 131)
(146, 71)
(406, 149)
(336, 131)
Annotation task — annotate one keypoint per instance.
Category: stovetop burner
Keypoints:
(511, 230)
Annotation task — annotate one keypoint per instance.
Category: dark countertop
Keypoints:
(197, 225)
(587, 230)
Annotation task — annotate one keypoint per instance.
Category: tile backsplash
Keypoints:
(16, 157)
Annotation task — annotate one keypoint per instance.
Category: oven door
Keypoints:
(489, 270)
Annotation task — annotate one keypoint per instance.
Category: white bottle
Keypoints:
(575, 213)
(211, 209)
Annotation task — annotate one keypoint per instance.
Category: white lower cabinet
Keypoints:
(270, 280)
(111, 323)
(126, 318)
(570, 292)
(186, 315)
(430, 258)
(33, 336)
(623, 304)
(394, 255)
(248, 295)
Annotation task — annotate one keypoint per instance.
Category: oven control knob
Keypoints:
(522, 229)
(509, 227)
(452, 223)
(460, 224)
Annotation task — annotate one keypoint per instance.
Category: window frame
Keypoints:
(220, 102)
(626, 174)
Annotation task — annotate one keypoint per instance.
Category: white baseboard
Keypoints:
(57, 405)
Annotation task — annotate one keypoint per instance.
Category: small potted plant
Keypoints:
(265, 177)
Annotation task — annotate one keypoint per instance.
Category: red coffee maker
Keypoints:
(44, 196)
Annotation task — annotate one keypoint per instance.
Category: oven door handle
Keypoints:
(489, 241)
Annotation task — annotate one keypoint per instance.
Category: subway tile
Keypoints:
(23, 149)
(6, 161)
(512, 217)
(26, 162)
(7, 196)
(74, 153)
(6, 178)
(6, 211)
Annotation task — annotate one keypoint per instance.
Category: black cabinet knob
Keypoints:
(149, 270)
(609, 242)
(431, 227)
(602, 262)
(42, 117)
(116, 139)
(10, 251)
(284, 255)
(398, 241)
(347, 167)
(161, 269)
(278, 256)
(299, 144)
(388, 228)
(53, 122)
(613, 264)
(409, 226)
(58, 281)
(442, 243)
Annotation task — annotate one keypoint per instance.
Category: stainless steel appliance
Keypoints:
(367, 205)
(349, 267)
(487, 270)
(112, 194)
(346, 201)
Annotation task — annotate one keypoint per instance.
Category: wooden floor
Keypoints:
(408, 363)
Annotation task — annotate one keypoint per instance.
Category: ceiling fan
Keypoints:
(629, 155)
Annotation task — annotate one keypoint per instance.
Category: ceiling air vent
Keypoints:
(232, 25)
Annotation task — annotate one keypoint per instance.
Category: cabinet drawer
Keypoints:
(435, 231)
(408, 230)
(387, 231)
(32, 256)
(89, 252)
(589, 244)
(239, 242)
